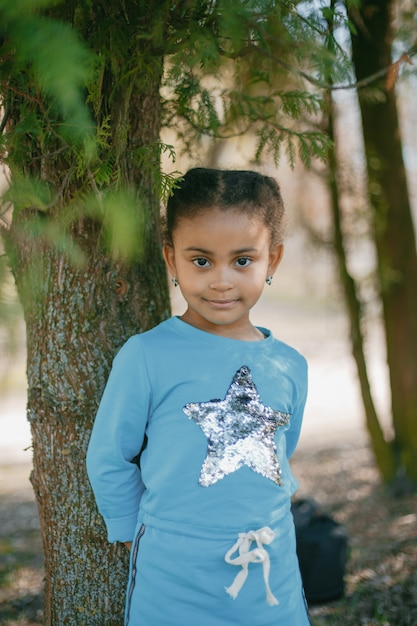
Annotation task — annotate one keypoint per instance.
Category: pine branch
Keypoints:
(253, 49)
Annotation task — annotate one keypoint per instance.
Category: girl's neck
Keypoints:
(245, 332)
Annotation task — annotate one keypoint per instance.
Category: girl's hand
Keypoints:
(128, 545)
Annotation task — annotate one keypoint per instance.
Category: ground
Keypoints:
(21, 561)
(381, 576)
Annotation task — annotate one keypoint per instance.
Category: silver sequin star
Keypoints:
(240, 430)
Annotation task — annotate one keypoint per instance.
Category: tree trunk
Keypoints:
(382, 449)
(393, 226)
(77, 317)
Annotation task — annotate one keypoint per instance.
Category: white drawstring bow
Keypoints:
(246, 555)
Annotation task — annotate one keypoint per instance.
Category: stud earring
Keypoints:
(174, 281)
(268, 280)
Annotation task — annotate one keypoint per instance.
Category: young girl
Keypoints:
(219, 403)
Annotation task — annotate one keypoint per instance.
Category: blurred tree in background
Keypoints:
(392, 225)
(377, 32)
(86, 89)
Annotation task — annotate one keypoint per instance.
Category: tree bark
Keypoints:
(393, 225)
(77, 317)
(382, 448)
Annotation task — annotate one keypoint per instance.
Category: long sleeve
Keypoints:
(293, 434)
(117, 437)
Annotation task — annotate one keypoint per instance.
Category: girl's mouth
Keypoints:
(222, 304)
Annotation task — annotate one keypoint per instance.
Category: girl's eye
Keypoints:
(243, 261)
(201, 262)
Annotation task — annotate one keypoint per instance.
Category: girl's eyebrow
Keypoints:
(208, 252)
(192, 249)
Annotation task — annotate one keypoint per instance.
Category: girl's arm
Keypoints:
(116, 439)
(293, 434)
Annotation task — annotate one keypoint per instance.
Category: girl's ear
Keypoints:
(169, 258)
(276, 253)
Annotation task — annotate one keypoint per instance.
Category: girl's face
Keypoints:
(221, 260)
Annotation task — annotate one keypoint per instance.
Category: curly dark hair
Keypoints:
(202, 189)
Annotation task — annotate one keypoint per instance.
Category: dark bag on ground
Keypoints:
(322, 549)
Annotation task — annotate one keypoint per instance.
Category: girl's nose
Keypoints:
(221, 281)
